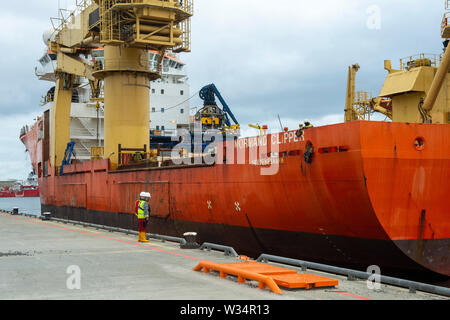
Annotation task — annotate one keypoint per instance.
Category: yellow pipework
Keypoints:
(438, 80)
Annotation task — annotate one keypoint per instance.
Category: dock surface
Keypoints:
(39, 260)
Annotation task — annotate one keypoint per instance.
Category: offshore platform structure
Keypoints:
(126, 29)
(417, 92)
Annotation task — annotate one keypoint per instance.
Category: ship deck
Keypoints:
(36, 255)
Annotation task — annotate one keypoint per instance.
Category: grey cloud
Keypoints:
(290, 59)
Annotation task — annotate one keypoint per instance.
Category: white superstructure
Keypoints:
(169, 102)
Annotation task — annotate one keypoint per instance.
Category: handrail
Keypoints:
(409, 62)
(411, 285)
(229, 251)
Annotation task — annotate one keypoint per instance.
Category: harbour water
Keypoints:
(31, 205)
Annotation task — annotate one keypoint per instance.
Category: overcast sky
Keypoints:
(266, 57)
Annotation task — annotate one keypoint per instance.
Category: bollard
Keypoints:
(15, 211)
(46, 216)
(190, 238)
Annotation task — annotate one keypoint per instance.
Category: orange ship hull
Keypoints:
(370, 196)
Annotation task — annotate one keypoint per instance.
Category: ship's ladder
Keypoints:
(67, 157)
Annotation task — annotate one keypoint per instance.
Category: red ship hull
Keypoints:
(369, 197)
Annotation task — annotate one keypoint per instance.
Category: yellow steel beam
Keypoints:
(60, 121)
(73, 65)
(350, 114)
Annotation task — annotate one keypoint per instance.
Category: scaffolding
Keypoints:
(362, 105)
(153, 24)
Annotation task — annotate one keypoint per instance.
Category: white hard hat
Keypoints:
(148, 195)
(145, 195)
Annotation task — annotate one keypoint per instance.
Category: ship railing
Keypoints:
(184, 5)
(420, 60)
(66, 16)
(152, 158)
(160, 157)
(82, 133)
(355, 274)
(129, 156)
(97, 153)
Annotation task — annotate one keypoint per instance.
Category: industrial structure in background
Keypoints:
(20, 189)
(346, 194)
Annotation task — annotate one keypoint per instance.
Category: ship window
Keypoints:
(153, 109)
(153, 91)
(98, 54)
(162, 91)
(181, 111)
(52, 56)
(44, 61)
(182, 92)
(163, 128)
(157, 128)
(162, 110)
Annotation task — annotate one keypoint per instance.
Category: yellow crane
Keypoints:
(126, 29)
(359, 105)
(350, 96)
(258, 127)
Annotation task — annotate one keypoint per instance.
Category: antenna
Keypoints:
(282, 128)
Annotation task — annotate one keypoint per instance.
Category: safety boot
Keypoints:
(143, 237)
